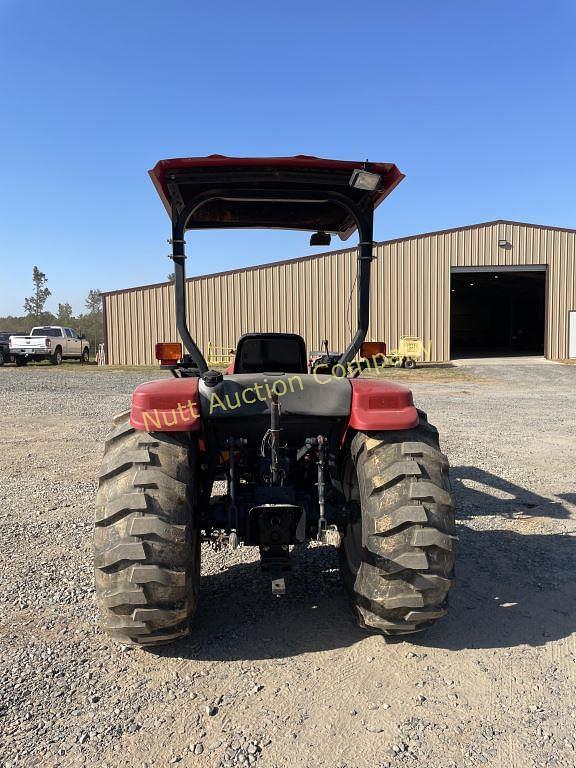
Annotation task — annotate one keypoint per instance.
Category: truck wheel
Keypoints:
(20, 361)
(146, 544)
(56, 358)
(85, 355)
(397, 555)
(2, 358)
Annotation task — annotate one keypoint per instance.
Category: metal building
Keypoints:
(501, 287)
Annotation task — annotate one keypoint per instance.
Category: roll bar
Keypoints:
(364, 224)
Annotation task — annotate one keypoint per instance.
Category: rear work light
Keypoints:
(372, 348)
(168, 352)
(361, 179)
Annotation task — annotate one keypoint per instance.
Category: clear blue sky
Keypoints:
(474, 101)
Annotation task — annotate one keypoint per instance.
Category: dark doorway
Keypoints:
(497, 313)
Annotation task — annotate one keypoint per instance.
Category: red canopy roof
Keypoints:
(180, 179)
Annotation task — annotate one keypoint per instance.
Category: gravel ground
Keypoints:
(292, 681)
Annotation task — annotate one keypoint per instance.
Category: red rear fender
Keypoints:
(173, 405)
(381, 405)
(166, 405)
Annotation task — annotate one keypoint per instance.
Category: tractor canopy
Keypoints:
(273, 192)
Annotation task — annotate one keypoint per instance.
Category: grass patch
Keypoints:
(123, 369)
(436, 373)
(73, 366)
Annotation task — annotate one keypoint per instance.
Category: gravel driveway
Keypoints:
(292, 681)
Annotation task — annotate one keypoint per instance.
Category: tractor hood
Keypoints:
(270, 192)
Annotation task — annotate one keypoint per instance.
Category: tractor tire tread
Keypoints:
(408, 530)
(146, 547)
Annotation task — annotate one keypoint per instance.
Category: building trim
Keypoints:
(105, 322)
(496, 268)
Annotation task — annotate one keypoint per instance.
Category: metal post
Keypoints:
(179, 259)
(274, 438)
(364, 263)
(321, 441)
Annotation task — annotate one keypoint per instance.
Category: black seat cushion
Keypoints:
(274, 352)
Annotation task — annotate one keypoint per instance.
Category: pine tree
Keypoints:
(94, 302)
(65, 313)
(91, 324)
(34, 305)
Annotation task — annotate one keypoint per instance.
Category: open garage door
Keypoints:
(497, 311)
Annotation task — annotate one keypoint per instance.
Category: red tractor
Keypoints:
(331, 456)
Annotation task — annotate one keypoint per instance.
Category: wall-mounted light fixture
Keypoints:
(504, 244)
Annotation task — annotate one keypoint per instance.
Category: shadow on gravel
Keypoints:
(512, 588)
(238, 617)
(479, 492)
(569, 497)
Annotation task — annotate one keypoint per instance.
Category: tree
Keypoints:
(171, 277)
(94, 302)
(91, 324)
(34, 305)
(65, 314)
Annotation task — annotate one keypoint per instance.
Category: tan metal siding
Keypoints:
(316, 297)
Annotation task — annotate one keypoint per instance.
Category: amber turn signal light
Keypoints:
(168, 352)
(371, 348)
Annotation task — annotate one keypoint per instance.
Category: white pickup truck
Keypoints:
(49, 342)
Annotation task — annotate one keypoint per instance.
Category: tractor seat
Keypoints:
(270, 353)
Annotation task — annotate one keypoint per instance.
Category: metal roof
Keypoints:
(238, 270)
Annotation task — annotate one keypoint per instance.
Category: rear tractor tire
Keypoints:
(397, 555)
(146, 544)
